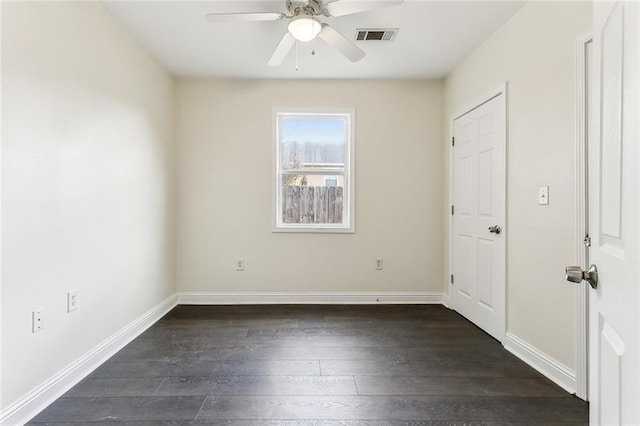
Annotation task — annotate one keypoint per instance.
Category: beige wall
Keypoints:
(225, 189)
(535, 52)
(87, 185)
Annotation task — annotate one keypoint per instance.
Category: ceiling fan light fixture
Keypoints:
(304, 27)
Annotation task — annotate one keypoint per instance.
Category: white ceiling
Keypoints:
(434, 36)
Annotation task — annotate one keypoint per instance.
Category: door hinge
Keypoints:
(452, 210)
(587, 240)
(453, 141)
(452, 279)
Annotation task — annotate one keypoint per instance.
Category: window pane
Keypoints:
(312, 198)
(312, 142)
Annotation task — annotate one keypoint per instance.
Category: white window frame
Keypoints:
(348, 214)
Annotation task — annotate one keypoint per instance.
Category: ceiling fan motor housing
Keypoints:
(308, 7)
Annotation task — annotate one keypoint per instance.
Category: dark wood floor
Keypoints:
(315, 365)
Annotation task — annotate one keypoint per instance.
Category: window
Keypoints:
(313, 171)
(331, 181)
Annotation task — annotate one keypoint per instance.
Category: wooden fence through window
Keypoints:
(312, 204)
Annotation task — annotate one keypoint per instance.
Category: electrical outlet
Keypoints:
(72, 300)
(379, 264)
(37, 320)
(240, 265)
(543, 195)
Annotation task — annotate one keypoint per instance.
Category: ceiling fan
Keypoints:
(305, 25)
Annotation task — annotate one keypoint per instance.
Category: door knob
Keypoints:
(495, 229)
(575, 274)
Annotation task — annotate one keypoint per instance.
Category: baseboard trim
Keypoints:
(559, 373)
(39, 398)
(339, 298)
(446, 300)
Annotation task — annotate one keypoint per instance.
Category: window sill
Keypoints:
(313, 230)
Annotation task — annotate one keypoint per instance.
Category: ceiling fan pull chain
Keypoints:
(297, 67)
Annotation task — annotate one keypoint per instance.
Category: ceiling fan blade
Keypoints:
(348, 7)
(283, 48)
(345, 46)
(244, 17)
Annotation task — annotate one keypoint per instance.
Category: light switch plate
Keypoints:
(543, 195)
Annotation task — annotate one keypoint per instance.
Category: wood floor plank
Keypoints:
(458, 386)
(85, 410)
(364, 353)
(131, 368)
(374, 331)
(450, 367)
(244, 368)
(115, 387)
(390, 408)
(258, 385)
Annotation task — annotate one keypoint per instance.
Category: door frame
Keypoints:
(490, 95)
(581, 214)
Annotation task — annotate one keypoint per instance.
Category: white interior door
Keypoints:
(614, 184)
(478, 194)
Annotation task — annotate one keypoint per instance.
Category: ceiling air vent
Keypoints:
(376, 34)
